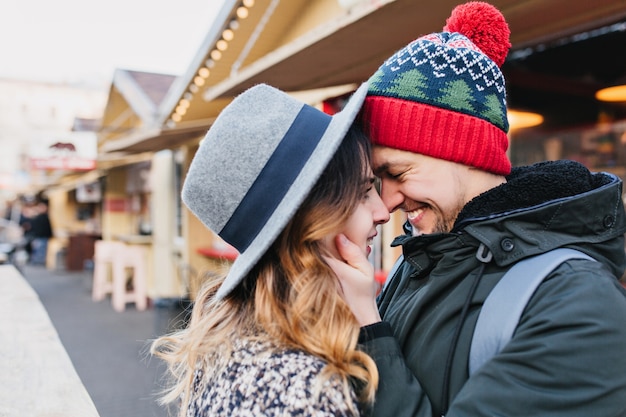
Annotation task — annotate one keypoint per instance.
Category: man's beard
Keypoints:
(443, 224)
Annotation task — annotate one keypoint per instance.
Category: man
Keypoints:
(40, 232)
(436, 114)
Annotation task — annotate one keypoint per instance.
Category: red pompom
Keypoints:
(485, 26)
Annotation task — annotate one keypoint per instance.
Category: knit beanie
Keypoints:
(443, 95)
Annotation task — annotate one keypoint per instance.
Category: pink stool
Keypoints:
(105, 252)
(129, 288)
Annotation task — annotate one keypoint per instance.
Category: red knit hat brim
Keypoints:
(437, 132)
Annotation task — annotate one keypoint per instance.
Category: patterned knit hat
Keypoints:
(443, 95)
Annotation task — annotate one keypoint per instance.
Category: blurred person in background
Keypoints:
(37, 231)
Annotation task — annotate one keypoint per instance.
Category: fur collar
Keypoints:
(528, 186)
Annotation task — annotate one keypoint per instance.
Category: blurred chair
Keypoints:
(130, 287)
(105, 252)
(120, 270)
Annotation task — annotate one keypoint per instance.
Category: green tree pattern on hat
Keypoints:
(494, 111)
(458, 95)
(410, 84)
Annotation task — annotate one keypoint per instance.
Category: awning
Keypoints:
(350, 48)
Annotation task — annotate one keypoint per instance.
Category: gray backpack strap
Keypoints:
(504, 305)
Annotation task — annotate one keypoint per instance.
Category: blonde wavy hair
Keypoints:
(291, 298)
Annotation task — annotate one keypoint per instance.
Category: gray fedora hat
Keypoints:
(257, 164)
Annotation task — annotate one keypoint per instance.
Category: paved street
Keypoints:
(109, 350)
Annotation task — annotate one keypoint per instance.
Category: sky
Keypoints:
(84, 41)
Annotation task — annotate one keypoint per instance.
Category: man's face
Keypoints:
(429, 190)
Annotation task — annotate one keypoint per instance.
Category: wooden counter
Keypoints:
(79, 249)
(134, 239)
(37, 378)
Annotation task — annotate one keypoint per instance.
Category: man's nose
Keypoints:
(391, 195)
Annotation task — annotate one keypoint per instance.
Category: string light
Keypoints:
(228, 34)
(221, 45)
(204, 72)
(181, 110)
(242, 12)
(216, 55)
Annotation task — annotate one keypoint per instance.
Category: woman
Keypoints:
(277, 180)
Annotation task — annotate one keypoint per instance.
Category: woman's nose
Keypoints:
(380, 212)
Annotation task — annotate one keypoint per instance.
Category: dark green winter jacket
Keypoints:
(567, 356)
